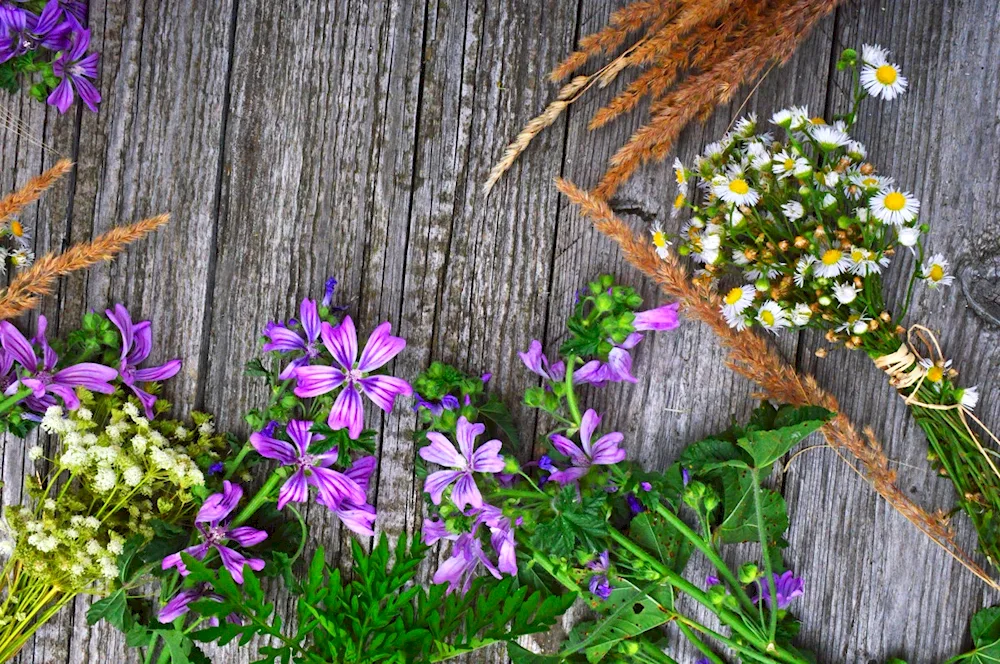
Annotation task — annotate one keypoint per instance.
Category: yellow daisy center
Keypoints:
(870, 182)
(767, 317)
(818, 121)
(832, 256)
(886, 74)
(679, 201)
(734, 296)
(789, 164)
(935, 374)
(16, 229)
(739, 186)
(680, 176)
(894, 201)
(857, 255)
(659, 240)
(936, 273)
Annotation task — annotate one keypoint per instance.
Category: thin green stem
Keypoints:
(262, 497)
(574, 409)
(762, 535)
(14, 399)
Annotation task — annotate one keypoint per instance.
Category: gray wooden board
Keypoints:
(295, 142)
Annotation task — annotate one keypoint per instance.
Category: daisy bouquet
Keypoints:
(117, 475)
(583, 520)
(795, 229)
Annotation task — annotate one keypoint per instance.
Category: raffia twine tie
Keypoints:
(904, 368)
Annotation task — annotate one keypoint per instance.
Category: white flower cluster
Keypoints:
(74, 551)
(15, 245)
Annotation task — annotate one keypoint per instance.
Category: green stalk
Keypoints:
(758, 507)
(262, 497)
(14, 399)
(574, 409)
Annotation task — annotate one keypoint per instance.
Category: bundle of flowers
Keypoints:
(45, 44)
(806, 225)
(119, 474)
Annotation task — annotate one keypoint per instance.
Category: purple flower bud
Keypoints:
(467, 400)
(328, 289)
(646, 486)
(486, 377)
(545, 463)
(711, 580)
(659, 319)
(634, 504)
(685, 476)
(268, 430)
(216, 468)
(449, 401)
(600, 586)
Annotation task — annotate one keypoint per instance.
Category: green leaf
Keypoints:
(629, 612)
(112, 608)
(496, 412)
(652, 532)
(739, 523)
(985, 626)
(766, 447)
(519, 655)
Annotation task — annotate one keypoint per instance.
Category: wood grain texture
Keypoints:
(349, 138)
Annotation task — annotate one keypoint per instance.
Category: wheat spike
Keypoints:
(40, 279)
(13, 203)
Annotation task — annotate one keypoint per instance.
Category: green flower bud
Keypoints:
(683, 250)
(763, 284)
(604, 302)
(748, 573)
(510, 465)
(629, 648)
(844, 222)
(825, 300)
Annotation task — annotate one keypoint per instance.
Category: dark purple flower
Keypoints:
(599, 584)
(282, 339)
(41, 377)
(545, 462)
(359, 516)
(75, 8)
(332, 486)
(440, 450)
(137, 342)
(6, 370)
(536, 361)
(486, 377)
(215, 535)
(435, 408)
(74, 67)
(658, 320)
(685, 476)
(633, 503)
(449, 401)
(603, 452)
(328, 289)
(352, 374)
(501, 537)
(216, 468)
(703, 660)
(787, 587)
(467, 555)
(712, 580)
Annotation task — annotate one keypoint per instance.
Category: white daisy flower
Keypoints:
(891, 206)
(786, 164)
(735, 217)
(660, 240)
(829, 201)
(768, 272)
(737, 300)
(872, 54)
(845, 293)
(746, 126)
(760, 156)
(22, 258)
(865, 262)
(969, 397)
(800, 117)
(856, 150)
(772, 317)
(935, 370)
(782, 118)
(714, 149)
(908, 236)
(871, 182)
(829, 179)
(802, 268)
(855, 324)
(801, 314)
(829, 138)
(793, 210)
(883, 80)
(737, 321)
(935, 271)
(737, 191)
(680, 173)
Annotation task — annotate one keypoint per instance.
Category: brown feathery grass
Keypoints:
(40, 279)
(692, 55)
(752, 357)
(11, 204)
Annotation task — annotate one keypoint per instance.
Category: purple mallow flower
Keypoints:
(599, 584)
(634, 505)
(685, 476)
(603, 452)
(180, 604)
(712, 580)
(285, 340)
(538, 363)
(467, 555)
(137, 342)
(617, 369)
(215, 535)
(40, 375)
(658, 320)
(359, 516)
(352, 374)
(463, 461)
(22, 31)
(333, 487)
(787, 587)
(74, 67)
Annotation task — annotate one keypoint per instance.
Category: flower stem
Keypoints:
(759, 509)
(262, 497)
(574, 409)
(14, 399)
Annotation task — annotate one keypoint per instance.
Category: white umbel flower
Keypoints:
(894, 207)
(935, 272)
(35, 453)
(772, 317)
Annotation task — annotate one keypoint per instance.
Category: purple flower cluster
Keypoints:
(309, 337)
(787, 587)
(136, 346)
(21, 367)
(58, 30)
(618, 367)
(603, 452)
(467, 550)
(343, 493)
(600, 586)
(461, 462)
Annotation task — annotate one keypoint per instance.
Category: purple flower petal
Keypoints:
(282, 339)
(94, 377)
(569, 475)
(121, 319)
(606, 450)
(383, 390)
(62, 96)
(313, 381)
(18, 347)
(334, 487)
(588, 425)
(219, 505)
(487, 458)
(568, 448)
(381, 348)
(434, 530)
(247, 536)
(362, 471)
(466, 492)
(436, 483)
(163, 372)
(197, 552)
(294, 490)
(234, 561)
(342, 342)
(347, 412)
(309, 318)
(272, 448)
(357, 518)
(298, 431)
(442, 452)
(466, 434)
(659, 319)
(179, 604)
(620, 365)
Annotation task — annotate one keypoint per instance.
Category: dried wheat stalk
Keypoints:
(710, 46)
(11, 204)
(752, 357)
(31, 284)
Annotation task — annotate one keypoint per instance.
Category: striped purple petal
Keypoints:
(466, 433)
(436, 483)
(588, 425)
(298, 431)
(309, 318)
(163, 372)
(606, 450)
(282, 339)
(568, 448)
(361, 471)
(234, 561)
(94, 377)
(246, 536)
(359, 519)
(466, 492)
(342, 342)
(294, 490)
(487, 458)
(347, 412)
(441, 451)
(272, 448)
(334, 487)
(312, 381)
(18, 347)
(381, 348)
(219, 505)
(121, 319)
(383, 390)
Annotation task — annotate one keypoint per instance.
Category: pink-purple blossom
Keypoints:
(40, 375)
(75, 67)
(461, 462)
(352, 374)
(658, 319)
(602, 452)
(216, 534)
(333, 487)
(538, 363)
(180, 604)
(599, 584)
(787, 587)
(358, 516)
(282, 339)
(136, 346)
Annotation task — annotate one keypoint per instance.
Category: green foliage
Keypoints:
(985, 631)
(603, 311)
(578, 524)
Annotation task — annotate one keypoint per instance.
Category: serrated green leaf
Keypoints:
(112, 608)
